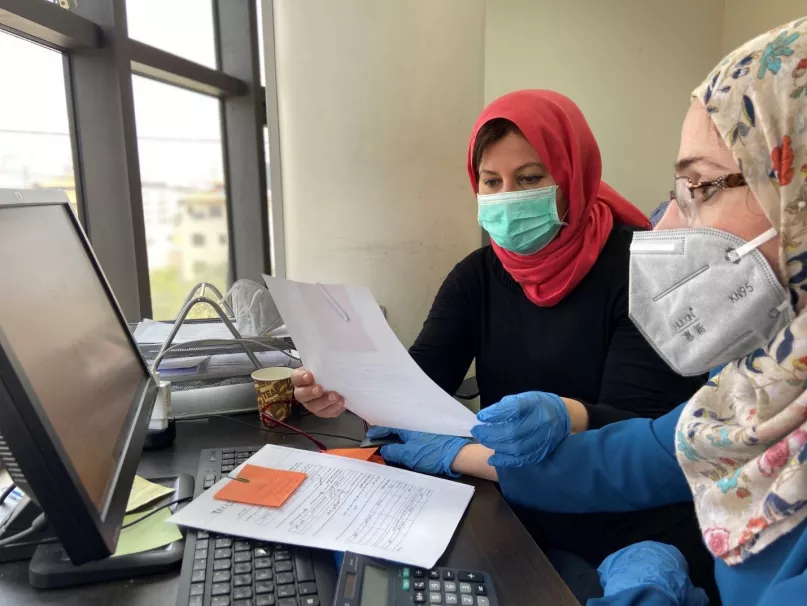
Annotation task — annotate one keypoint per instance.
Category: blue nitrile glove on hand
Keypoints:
(523, 429)
(651, 564)
(424, 452)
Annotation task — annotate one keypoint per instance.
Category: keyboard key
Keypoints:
(203, 544)
(196, 600)
(201, 554)
(287, 602)
(451, 598)
(222, 576)
(466, 600)
(310, 600)
(221, 600)
(262, 563)
(243, 568)
(405, 584)
(222, 565)
(202, 535)
(242, 579)
(473, 577)
(285, 591)
(241, 546)
(244, 453)
(482, 601)
(434, 574)
(466, 588)
(418, 573)
(198, 589)
(227, 468)
(222, 543)
(227, 451)
(222, 554)
(265, 600)
(264, 574)
(198, 576)
(264, 587)
(448, 575)
(282, 555)
(284, 578)
(246, 602)
(480, 590)
(242, 556)
(450, 587)
(283, 567)
(261, 552)
(302, 563)
(420, 585)
(242, 593)
(220, 589)
(435, 598)
(306, 588)
(405, 573)
(210, 477)
(199, 564)
(419, 597)
(434, 586)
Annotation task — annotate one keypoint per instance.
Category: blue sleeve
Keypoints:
(624, 466)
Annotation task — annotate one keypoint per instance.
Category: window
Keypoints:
(181, 27)
(181, 167)
(223, 239)
(35, 149)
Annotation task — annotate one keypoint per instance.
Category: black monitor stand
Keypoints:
(51, 568)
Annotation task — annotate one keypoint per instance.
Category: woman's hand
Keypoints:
(524, 428)
(423, 452)
(657, 566)
(325, 404)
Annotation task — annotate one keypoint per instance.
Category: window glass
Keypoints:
(184, 203)
(35, 149)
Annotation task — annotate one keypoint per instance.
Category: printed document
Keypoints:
(342, 505)
(344, 339)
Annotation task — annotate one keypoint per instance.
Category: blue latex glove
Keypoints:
(523, 429)
(424, 452)
(650, 564)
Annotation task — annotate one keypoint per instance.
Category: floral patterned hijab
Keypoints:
(742, 439)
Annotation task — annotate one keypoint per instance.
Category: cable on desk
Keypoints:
(38, 524)
(292, 431)
(8, 490)
(152, 512)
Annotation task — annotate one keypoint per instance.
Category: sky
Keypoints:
(178, 131)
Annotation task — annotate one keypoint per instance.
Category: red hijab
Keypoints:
(557, 130)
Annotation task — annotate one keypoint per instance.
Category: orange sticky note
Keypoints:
(261, 486)
(361, 454)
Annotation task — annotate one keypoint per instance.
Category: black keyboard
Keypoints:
(222, 570)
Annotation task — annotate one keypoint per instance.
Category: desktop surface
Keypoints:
(489, 538)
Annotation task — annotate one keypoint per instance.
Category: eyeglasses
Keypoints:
(688, 196)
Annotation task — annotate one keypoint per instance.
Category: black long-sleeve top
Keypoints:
(585, 347)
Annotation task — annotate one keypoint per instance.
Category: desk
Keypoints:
(490, 537)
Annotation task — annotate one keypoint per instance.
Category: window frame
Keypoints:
(99, 60)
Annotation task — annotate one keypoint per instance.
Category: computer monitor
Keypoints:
(75, 394)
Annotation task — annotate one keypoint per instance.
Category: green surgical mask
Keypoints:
(522, 222)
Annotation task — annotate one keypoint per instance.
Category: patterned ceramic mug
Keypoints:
(275, 394)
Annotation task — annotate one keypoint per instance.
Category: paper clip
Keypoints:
(334, 303)
(238, 479)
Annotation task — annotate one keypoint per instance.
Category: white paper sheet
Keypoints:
(152, 332)
(344, 339)
(343, 504)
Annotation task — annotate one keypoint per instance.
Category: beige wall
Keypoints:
(376, 100)
(746, 19)
(629, 64)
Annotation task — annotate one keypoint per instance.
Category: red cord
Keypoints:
(269, 420)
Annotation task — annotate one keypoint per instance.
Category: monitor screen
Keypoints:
(56, 318)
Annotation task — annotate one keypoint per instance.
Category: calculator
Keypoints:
(365, 581)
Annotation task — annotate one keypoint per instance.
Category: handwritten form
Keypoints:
(343, 504)
(344, 339)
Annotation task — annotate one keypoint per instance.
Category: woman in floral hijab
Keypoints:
(738, 448)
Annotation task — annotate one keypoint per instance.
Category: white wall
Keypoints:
(746, 19)
(629, 64)
(376, 101)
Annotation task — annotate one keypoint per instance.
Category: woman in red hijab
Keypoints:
(543, 311)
